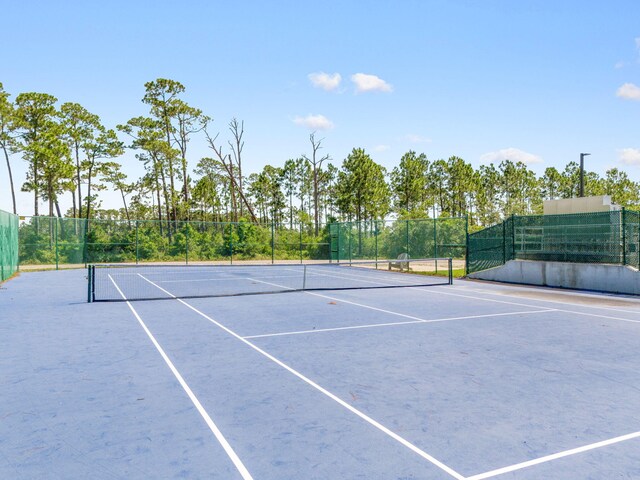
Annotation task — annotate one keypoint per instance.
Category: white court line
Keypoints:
(322, 390)
(212, 426)
(440, 292)
(555, 456)
(390, 324)
(635, 305)
(390, 312)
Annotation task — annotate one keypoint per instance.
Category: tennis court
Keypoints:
(326, 381)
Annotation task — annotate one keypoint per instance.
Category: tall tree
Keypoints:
(147, 136)
(489, 197)
(225, 164)
(7, 137)
(80, 126)
(113, 174)
(623, 190)
(103, 146)
(551, 183)
(363, 192)
(460, 186)
(316, 165)
(408, 184)
(36, 118)
(289, 184)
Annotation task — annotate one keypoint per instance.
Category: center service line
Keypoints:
(212, 426)
(322, 390)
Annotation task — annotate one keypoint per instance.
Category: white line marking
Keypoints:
(440, 292)
(212, 426)
(324, 391)
(392, 324)
(555, 456)
(557, 301)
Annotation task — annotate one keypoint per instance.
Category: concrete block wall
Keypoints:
(581, 276)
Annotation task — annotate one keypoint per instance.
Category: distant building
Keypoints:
(601, 203)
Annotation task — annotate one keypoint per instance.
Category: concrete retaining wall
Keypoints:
(581, 276)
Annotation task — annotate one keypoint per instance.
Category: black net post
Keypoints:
(90, 279)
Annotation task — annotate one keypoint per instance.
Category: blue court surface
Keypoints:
(466, 381)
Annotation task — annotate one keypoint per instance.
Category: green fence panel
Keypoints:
(580, 238)
(632, 238)
(386, 239)
(598, 237)
(487, 248)
(8, 244)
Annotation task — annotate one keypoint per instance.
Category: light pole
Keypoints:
(582, 155)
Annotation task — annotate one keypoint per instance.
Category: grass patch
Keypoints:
(457, 273)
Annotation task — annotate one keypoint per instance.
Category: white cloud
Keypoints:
(629, 156)
(314, 122)
(512, 154)
(638, 43)
(620, 65)
(325, 81)
(381, 148)
(370, 83)
(413, 138)
(629, 91)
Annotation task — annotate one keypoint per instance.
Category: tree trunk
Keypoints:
(13, 193)
(126, 210)
(35, 185)
(78, 176)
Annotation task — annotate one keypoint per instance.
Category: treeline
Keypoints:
(70, 152)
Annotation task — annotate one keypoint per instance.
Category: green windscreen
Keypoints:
(8, 244)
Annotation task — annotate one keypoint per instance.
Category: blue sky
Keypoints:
(539, 81)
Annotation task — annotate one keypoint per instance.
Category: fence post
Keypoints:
(350, 240)
(273, 241)
(300, 246)
(186, 244)
(435, 242)
(466, 246)
(231, 243)
(504, 242)
(338, 228)
(624, 238)
(513, 237)
(55, 236)
(137, 255)
(375, 233)
(407, 238)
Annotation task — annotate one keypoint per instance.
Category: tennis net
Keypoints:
(120, 282)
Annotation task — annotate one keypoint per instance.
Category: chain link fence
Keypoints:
(599, 237)
(58, 242)
(387, 239)
(8, 244)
